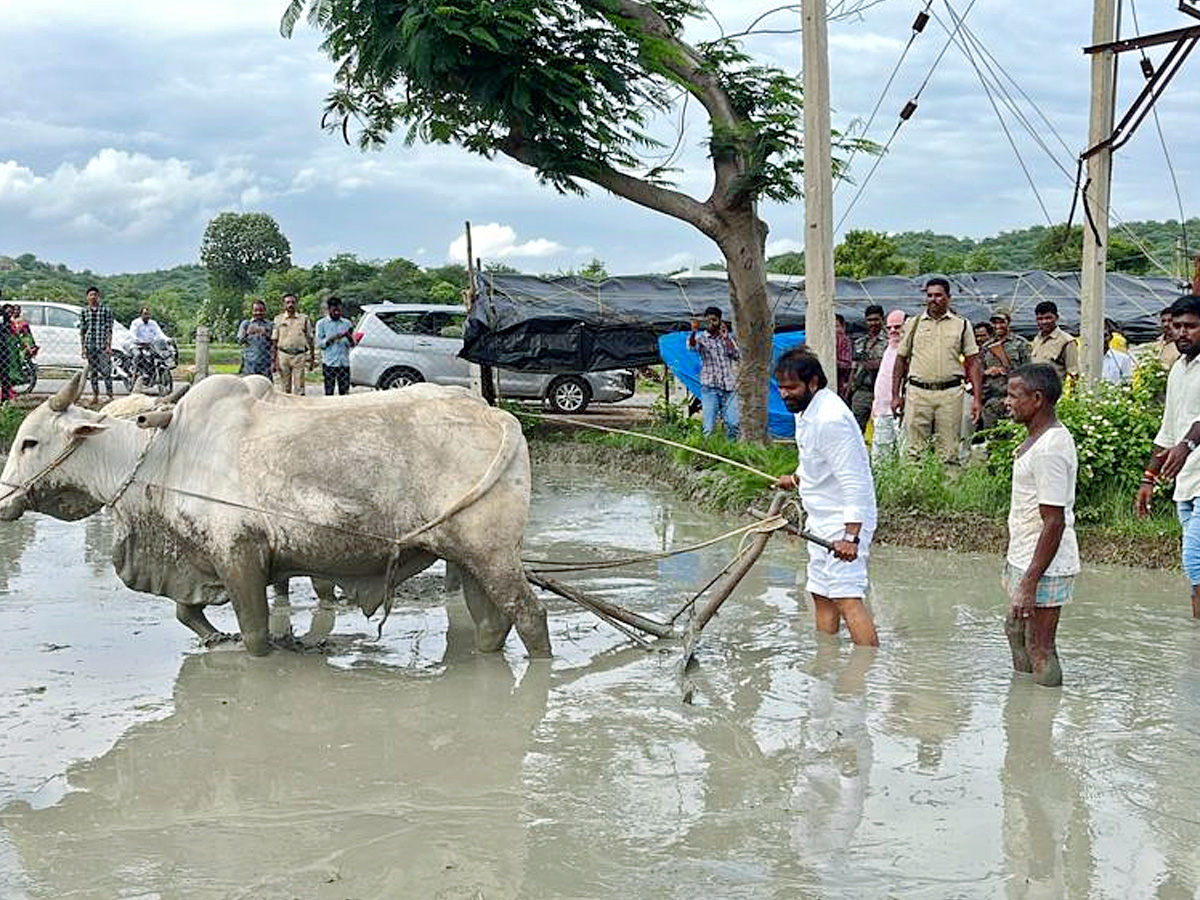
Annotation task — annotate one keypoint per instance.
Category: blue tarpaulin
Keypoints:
(685, 364)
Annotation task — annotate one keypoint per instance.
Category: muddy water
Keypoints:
(405, 765)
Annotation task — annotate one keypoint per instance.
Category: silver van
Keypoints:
(398, 344)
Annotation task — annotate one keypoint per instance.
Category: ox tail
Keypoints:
(510, 440)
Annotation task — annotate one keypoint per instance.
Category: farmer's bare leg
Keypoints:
(859, 622)
(825, 614)
(1014, 630)
(1043, 654)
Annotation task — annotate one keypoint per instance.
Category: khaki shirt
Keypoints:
(1060, 350)
(292, 332)
(936, 348)
(1166, 352)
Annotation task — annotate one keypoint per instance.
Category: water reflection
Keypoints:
(97, 543)
(1047, 829)
(406, 765)
(14, 538)
(287, 778)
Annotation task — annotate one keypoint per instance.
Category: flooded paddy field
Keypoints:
(133, 765)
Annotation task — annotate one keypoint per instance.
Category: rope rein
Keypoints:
(660, 440)
(775, 523)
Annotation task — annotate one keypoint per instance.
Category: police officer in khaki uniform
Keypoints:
(292, 343)
(937, 352)
(1053, 345)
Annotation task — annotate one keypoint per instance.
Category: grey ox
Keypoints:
(241, 485)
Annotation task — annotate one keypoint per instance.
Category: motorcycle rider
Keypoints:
(150, 342)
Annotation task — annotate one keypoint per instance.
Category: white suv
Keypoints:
(55, 328)
(398, 344)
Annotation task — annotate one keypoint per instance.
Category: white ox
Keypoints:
(244, 485)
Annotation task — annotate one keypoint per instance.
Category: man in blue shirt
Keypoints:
(335, 337)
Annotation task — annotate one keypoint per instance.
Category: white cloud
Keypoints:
(783, 245)
(121, 194)
(496, 241)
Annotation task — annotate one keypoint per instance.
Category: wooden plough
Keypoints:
(718, 590)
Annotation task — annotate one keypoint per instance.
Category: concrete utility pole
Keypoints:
(1099, 181)
(818, 190)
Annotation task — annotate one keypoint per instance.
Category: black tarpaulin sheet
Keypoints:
(571, 324)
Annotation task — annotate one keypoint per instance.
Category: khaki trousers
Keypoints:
(937, 415)
(292, 367)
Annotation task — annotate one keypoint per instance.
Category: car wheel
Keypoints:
(398, 378)
(569, 394)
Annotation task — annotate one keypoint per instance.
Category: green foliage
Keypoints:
(11, 417)
(237, 250)
(786, 264)
(863, 253)
(595, 270)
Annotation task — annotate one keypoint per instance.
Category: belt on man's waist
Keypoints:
(292, 352)
(935, 385)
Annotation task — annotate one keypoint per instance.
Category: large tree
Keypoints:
(237, 250)
(863, 253)
(570, 88)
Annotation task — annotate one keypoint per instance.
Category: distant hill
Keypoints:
(1148, 247)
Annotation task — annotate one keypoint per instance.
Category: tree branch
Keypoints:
(693, 71)
(655, 197)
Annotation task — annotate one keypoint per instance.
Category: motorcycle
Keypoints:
(147, 367)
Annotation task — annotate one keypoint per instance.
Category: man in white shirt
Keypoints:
(1171, 456)
(1043, 554)
(145, 329)
(837, 492)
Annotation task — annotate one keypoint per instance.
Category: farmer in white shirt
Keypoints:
(1043, 555)
(1172, 455)
(145, 329)
(837, 492)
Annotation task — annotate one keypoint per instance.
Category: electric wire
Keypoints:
(1161, 138)
(917, 29)
(994, 65)
(987, 89)
(905, 114)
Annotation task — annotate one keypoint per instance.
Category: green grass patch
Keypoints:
(11, 417)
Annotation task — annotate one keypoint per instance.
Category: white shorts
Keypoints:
(831, 577)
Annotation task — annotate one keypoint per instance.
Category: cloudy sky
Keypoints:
(126, 124)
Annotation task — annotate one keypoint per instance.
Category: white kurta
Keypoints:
(836, 487)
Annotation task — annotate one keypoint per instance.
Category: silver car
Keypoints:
(55, 328)
(398, 344)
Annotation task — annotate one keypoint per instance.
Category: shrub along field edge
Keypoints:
(920, 504)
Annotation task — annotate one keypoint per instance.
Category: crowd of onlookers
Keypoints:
(934, 378)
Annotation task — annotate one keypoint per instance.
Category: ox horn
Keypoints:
(175, 396)
(156, 418)
(68, 393)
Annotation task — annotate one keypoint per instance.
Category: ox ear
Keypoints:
(69, 393)
(83, 430)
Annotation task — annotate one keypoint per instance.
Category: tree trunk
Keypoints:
(742, 240)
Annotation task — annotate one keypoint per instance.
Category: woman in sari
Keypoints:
(21, 349)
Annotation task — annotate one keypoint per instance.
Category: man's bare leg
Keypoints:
(858, 621)
(1014, 630)
(1043, 653)
(1196, 601)
(825, 615)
